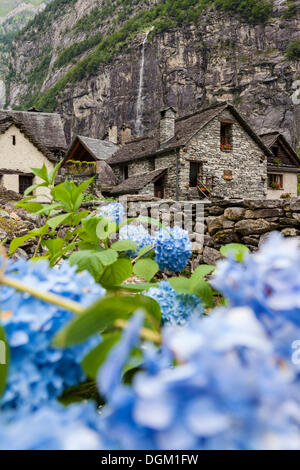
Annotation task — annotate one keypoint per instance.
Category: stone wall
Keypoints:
(214, 224)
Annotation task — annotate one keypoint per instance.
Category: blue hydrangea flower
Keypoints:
(227, 392)
(268, 282)
(176, 308)
(52, 427)
(138, 234)
(38, 371)
(114, 211)
(111, 372)
(173, 249)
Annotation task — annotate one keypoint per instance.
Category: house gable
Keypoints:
(18, 154)
(238, 172)
(89, 149)
(282, 150)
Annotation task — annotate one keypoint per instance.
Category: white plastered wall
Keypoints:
(289, 185)
(20, 157)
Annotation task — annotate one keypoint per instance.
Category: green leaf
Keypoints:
(39, 232)
(88, 260)
(33, 187)
(41, 173)
(77, 193)
(108, 257)
(116, 273)
(58, 220)
(96, 358)
(33, 207)
(102, 315)
(145, 268)
(180, 284)
(4, 359)
(53, 172)
(78, 217)
(16, 242)
(145, 249)
(54, 245)
(124, 245)
(203, 290)
(50, 208)
(137, 287)
(62, 194)
(105, 228)
(199, 273)
(238, 250)
(88, 231)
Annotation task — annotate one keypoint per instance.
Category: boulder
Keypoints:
(234, 213)
(250, 226)
(214, 224)
(295, 205)
(287, 222)
(263, 203)
(263, 213)
(290, 232)
(211, 256)
(226, 236)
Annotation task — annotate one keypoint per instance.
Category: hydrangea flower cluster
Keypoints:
(52, 427)
(268, 282)
(40, 372)
(226, 393)
(176, 308)
(114, 211)
(138, 234)
(173, 249)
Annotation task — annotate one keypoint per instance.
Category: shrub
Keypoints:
(293, 50)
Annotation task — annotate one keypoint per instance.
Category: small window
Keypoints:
(275, 181)
(159, 190)
(125, 172)
(226, 136)
(24, 183)
(14, 140)
(275, 150)
(195, 173)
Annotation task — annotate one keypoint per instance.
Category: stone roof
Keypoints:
(271, 138)
(106, 176)
(185, 128)
(46, 128)
(137, 182)
(99, 149)
(9, 121)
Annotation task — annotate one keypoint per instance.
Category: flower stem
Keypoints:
(45, 296)
(145, 333)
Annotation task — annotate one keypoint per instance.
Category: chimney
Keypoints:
(113, 134)
(167, 124)
(125, 134)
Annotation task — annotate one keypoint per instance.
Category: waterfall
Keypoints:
(140, 99)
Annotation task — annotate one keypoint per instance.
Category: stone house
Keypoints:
(211, 154)
(19, 152)
(87, 157)
(283, 166)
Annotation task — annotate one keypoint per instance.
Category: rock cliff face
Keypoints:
(222, 58)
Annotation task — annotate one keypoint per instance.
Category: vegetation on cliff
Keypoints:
(163, 16)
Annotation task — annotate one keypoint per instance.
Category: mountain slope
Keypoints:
(83, 58)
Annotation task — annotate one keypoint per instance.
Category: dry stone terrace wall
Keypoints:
(213, 224)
